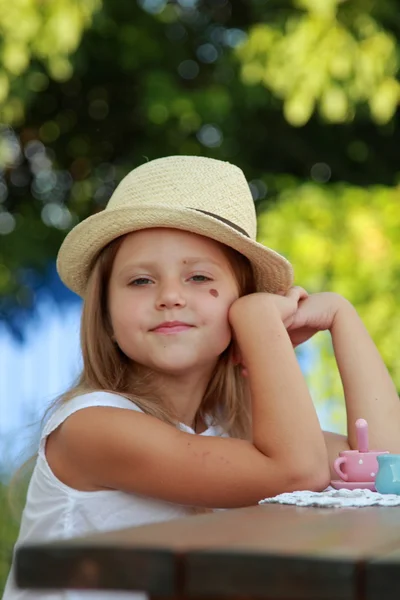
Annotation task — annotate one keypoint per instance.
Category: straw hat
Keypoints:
(202, 195)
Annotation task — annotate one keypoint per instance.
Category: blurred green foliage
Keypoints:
(333, 55)
(158, 78)
(9, 526)
(302, 95)
(343, 239)
(31, 31)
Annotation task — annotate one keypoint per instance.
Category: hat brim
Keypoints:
(273, 273)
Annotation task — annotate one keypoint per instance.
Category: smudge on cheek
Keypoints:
(214, 293)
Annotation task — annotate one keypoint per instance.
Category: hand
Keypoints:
(315, 313)
(288, 304)
(260, 302)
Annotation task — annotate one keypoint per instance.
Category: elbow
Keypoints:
(316, 479)
(318, 482)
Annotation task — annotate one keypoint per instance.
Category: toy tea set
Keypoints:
(367, 469)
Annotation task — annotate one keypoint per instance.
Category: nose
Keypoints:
(170, 295)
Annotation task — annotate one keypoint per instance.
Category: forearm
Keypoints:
(285, 423)
(368, 388)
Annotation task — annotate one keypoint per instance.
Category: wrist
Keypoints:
(341, 307)
(252, 307)
(255, 325)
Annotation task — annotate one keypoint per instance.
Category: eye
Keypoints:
(140, 281)
(200, 278)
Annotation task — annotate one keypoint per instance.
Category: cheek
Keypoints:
(218, 310)
(125, 314)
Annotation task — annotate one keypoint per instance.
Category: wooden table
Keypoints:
(271, 551)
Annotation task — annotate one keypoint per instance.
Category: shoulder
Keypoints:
(70, 423)
(90, 399)
(102, 398)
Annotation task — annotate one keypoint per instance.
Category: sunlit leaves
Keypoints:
(329, 57)
(130, 100)
(46, 32)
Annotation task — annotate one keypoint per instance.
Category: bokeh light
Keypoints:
(188, 69)
(210, 136)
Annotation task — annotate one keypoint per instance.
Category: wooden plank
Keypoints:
(201, 531)
(270, 577)
(382, 576)
(102, 568)
(271, 528)
(323, 559)
(327, 546)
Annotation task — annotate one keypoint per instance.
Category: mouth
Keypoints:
(170, 327)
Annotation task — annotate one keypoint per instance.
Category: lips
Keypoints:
(170, 327)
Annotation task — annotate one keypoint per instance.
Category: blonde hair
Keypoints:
(107, 368)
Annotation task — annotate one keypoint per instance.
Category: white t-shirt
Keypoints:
(54, 511)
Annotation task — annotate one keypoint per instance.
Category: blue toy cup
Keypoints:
(388, 477)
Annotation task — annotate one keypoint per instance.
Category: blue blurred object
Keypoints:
(34, 286)
(388, 476)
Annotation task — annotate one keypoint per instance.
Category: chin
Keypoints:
(182, 367)
(173, 369)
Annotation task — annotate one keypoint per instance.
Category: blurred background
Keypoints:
(303, 95)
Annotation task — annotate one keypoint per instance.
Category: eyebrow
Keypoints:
(201, 259)
(148, 266)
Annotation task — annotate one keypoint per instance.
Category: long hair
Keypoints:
(107, 368)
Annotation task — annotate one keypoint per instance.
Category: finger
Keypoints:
(297, 293)
(288, 322)
(303, 293)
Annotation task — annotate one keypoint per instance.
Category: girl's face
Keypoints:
(169, 296)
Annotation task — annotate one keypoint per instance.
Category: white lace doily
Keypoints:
(331, 498)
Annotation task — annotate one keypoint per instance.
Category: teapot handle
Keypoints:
(336, 465)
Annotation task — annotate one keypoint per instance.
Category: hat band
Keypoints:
(210, 214)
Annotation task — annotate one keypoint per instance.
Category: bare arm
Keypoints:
(119, 449)
(335, 443)
(285, 423)
(369, 391)
(368, 388)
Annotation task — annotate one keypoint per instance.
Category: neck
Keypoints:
(183, 394)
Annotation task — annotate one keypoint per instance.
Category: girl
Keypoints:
(191, 396)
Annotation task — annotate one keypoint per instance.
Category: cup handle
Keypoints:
(336, 465)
